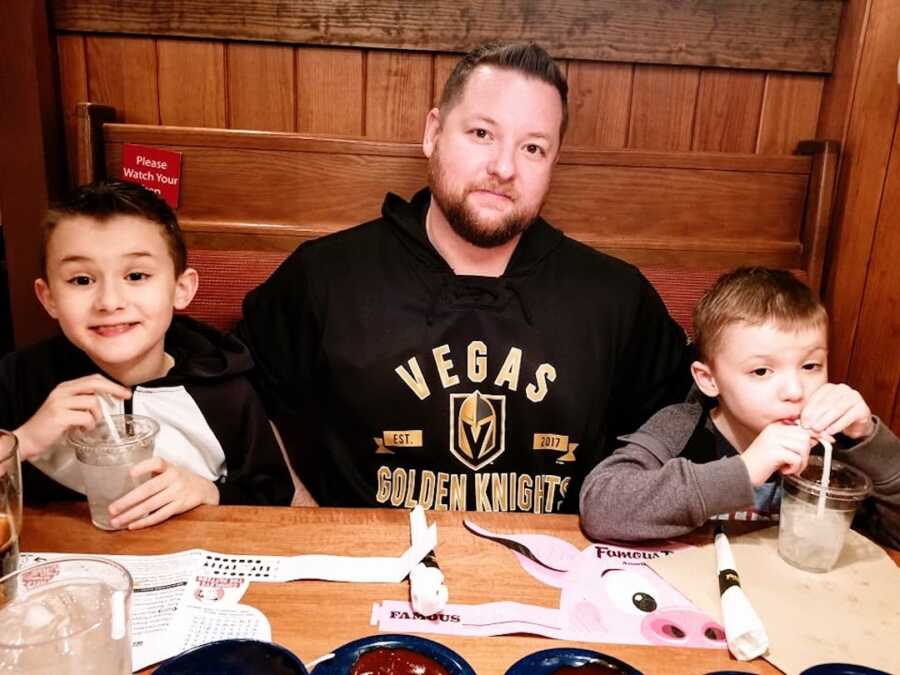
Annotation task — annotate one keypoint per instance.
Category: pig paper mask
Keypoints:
(608, 594)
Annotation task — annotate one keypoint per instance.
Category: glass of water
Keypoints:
(106, 458)
(65, 617)
(10, 504)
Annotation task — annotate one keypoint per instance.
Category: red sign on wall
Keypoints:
(155, 169)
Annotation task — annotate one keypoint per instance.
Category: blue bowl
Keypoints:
(346, 655)
(550, 660)
(841, 669)
(234, 657)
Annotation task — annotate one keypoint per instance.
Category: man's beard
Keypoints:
(463, 219)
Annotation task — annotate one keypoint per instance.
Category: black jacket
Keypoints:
(211, 420)
(406, 383)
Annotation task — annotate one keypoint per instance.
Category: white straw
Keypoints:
(109, 420)
(826, 476)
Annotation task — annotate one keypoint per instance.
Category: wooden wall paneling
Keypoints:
(73, 89)
(819, 207)
(122, 73)
(330, 90)
(89, 143)
(728, 108)
(796, 35)
(895, 418)
(662, 107)
(790, 112)
(192, 83)
(865, 158)
(32, 163)
(443, 66)
(837, 95)
(875, 366)
(261, 87)
(599, 104)
(398, 95)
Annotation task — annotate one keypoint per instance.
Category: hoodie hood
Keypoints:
(461, 291)
(202, 353)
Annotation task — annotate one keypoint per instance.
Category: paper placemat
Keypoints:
(848, 615)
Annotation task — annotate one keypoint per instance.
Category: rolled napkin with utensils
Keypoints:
(427, 591)
(744, 631)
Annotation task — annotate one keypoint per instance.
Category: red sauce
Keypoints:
(396, 662)
(589, 669)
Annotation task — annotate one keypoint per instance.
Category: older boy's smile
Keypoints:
(113, 330)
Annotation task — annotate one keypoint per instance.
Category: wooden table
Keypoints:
(312, 618)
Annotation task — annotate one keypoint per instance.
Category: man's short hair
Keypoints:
(105, 200)
(754, 296)
(528, 58)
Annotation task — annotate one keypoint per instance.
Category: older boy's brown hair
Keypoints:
(106, 199)
(528, 58)
(754, 296)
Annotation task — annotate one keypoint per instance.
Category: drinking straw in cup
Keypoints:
(107, 417)
(826, 476)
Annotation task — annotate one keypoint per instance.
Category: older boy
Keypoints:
(114, 271)
(761, 337)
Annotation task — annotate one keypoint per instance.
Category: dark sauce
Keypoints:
(595, 668)
(396, 662)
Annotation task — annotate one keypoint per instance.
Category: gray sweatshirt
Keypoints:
(656, 486)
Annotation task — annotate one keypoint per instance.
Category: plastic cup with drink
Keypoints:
(817, 509)
(66, 617)
(106, 455)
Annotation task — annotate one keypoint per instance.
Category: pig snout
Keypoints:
(682, 626)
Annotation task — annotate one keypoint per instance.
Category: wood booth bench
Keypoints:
(248, 198)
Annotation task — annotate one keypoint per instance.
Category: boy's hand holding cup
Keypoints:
(164, 490)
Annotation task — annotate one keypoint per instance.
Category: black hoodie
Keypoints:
(211, 420)
(404, 383)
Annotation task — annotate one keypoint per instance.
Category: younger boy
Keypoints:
(115, 269)
(761, 338)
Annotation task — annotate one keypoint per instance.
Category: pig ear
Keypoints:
(546, 558)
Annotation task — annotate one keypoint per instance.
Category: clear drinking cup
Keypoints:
(806, 539)
(10, 504)
(66, 617)
(106, 461)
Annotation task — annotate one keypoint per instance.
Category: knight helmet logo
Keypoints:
(477, 428)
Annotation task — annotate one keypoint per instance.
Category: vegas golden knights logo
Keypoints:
(477, 428)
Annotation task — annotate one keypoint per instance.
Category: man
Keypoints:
(459, 352)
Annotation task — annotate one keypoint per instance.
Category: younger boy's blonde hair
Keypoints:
(754, 296)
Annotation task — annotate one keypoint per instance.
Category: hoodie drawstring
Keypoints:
(526, 312)
(436, 297)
